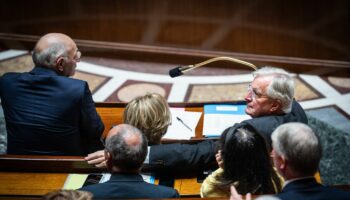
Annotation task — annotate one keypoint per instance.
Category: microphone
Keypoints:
(178, 71)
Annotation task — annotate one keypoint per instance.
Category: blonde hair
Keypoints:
(149, 113)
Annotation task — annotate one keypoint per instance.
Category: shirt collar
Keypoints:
(37, 70)
(295, 179)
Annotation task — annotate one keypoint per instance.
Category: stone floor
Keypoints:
(325, 98)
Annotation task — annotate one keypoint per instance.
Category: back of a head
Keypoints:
(281, 86)
(149, 113)
(49, 48)
(68, 195)
(127, 148)
(300, 147)
(246, 160)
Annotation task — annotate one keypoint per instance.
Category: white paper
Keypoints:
(178, 130)
(146, 177)
(220, 117)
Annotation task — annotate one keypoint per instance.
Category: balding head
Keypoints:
(126, 148)
(56, 51)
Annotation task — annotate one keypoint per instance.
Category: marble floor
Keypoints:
(325, 98)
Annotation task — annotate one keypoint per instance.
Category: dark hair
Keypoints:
(68, 195)
(125, 156)
(247, 162)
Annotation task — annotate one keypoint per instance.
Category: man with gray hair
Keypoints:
(270, 103)
(125, 152)
(47, 112)
(296, 156)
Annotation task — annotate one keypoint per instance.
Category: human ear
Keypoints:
(60, 63)
(108, 159)
(276, 106)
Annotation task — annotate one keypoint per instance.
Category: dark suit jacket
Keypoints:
(49, 114)
(267, 124)
(196, 157)
(309, 189)
(129, 186)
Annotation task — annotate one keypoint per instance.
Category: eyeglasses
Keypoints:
(77, 56)
(254, 94)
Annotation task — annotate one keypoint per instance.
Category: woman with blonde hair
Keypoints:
(149, 113)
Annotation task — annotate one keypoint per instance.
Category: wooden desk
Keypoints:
(112, 114)
(37, 175)
(26, 183)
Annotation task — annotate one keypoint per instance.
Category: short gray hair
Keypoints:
(48, 56)
(299, 145)
(281, 86)
(125, 156)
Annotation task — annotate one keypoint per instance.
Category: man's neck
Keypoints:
(286, 182)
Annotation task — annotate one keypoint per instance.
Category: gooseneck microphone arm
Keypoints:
(183, 69)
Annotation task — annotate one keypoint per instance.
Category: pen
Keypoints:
(180, 120)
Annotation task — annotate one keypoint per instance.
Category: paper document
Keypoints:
(219, 117)
(76, 181)
(183, 124)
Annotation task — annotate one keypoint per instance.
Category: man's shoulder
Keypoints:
(261, 121)
(9, 75)
(137, 189)
(72, 80)
(162, 191)
(318, 192)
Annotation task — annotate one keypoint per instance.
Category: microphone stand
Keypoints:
(190, 67)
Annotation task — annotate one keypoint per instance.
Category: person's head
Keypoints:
(149, 113)
(126, 149)
(247, 160)
(270, 93)
(68, 195)
(57, 51)
(296, 150)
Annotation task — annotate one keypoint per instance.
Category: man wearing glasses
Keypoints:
(47, 112)
(270, 103)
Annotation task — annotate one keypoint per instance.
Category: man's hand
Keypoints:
(97, 158)
(219, 160)
(236, 196)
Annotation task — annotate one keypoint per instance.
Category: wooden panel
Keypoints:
(187, 186)
(110, 116)
(14, 183)
(30, 183)
(32, 163)
(306, 29)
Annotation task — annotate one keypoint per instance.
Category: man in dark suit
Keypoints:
(269, 102)
(47, 112)
(125, 152)
(296, 155)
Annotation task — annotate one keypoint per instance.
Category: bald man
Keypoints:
(47, 112)
(125, 152)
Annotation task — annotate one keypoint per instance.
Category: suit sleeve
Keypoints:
(183, 157)
(91, 124)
